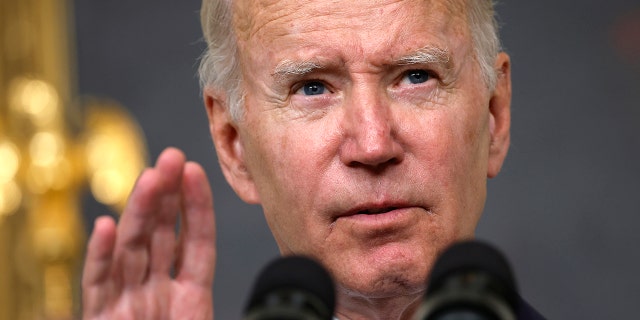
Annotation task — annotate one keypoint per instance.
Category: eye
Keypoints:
(417, 76)
(313, 88)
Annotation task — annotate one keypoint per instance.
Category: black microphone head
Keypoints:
(471, 275)
(292, 287)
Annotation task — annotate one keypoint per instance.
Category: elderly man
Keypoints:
(365, 129)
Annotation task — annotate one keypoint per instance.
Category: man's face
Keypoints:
(367, 136)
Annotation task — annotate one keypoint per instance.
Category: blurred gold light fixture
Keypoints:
(10, 194)
(112, 153)
(35, 98)
(50, 149)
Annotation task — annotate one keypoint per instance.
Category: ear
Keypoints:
(229, 146)
(500, 115)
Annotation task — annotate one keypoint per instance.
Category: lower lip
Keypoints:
(394, 218)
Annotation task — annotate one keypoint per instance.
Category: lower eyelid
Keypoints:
(323, 101)
(405, 84)
(424, 88)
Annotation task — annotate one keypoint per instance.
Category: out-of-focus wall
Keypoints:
(565, 206)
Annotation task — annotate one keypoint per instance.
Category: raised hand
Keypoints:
(127, 271)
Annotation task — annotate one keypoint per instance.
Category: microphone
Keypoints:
(292, 288)
(470, 281)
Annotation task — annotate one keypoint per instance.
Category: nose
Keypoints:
(370, 132)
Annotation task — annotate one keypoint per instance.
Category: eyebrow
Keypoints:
(289, 67)
(427, 55)
(424, 55)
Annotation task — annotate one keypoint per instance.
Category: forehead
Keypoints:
(248, 12)
(267, 21)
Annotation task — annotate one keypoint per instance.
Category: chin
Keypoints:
(390, 286)
(386, 278)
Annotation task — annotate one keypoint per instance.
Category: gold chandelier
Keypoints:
(51, 147)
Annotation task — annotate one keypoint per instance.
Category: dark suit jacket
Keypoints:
(526, 312)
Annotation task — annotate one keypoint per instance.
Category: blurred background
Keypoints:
(565, 208)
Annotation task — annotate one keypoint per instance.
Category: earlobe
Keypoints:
(229, 147)
(500, 116)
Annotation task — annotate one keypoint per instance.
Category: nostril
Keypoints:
(376, 166)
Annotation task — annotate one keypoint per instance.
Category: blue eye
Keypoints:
(313, 88)
(417, 76)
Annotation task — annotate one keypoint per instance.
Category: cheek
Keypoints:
(288, 166)
(455, 149)
(462, 140)
(442, 144)
(470, 173)
(296, 160)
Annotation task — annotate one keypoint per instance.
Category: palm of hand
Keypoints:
(127, 268)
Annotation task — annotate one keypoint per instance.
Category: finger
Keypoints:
(97, 266)
(197, 249)
(163, 238)
(140, 219)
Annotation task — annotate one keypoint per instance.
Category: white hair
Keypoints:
(483, 27)
(220, 65)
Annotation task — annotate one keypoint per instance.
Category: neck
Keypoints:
(401, 307)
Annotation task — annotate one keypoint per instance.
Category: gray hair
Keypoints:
(484, 33)
(220, 66)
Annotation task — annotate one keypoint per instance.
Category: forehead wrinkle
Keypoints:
(251, 16)
(286, 26)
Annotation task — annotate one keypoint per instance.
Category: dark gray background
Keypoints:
(564, 208)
